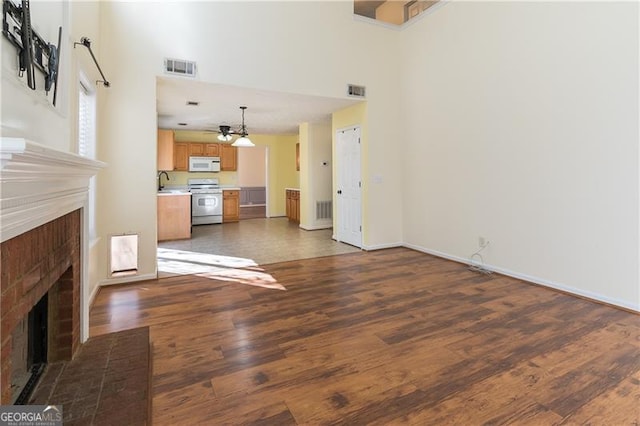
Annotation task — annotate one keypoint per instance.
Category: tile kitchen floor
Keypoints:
(261, 241)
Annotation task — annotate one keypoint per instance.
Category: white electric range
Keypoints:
(206, 201)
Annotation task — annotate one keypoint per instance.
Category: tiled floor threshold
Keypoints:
(107, 383)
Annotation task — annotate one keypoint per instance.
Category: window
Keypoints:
(87, 143)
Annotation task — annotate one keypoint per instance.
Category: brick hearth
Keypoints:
(45, 259)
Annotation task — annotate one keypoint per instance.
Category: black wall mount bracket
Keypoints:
(34, 52)
(84, 41)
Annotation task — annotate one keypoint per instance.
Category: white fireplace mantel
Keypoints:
(39, 184)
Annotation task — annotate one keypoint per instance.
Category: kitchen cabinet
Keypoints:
(183, 150)
(230, 206)
(295, 195)
(200, 149)
(196, 149)
(293, 205)
(228, 158)
(181, 156)
(174, 216)
(165, 149)
(212, 150)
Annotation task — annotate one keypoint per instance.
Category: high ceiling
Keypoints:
(267, 112)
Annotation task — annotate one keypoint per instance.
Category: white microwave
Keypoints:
(204, 164)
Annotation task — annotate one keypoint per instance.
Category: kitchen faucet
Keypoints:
(160, 186)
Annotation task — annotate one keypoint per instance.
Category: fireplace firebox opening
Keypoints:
(30, 348)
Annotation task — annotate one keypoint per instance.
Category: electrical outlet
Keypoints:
(482, 241)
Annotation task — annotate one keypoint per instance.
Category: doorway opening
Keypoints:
(253, 172)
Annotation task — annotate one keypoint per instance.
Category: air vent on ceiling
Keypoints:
(357, 91)
(180, 67)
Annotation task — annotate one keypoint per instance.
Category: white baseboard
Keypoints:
(535, 280)
(374, 246)
(381, 246)
(93, 295)
(438, 254)
(315, 227)
(129, 279)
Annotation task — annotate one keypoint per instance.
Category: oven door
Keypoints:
(206, 205)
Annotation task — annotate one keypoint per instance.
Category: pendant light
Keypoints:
(243, 140)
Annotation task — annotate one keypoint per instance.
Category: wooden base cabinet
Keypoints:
(293, 205)
(174, 217)
(230, 206)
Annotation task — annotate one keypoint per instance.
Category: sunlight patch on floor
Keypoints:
(223, 268)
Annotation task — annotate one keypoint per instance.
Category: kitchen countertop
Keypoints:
(182, 190)
(172, 193)
(174, 190)
(292, 189)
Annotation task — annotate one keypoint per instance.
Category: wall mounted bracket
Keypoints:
(34, 52)
(84, 41)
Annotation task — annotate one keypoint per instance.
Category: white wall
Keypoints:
(252, 166)
(30, 114)
(315, 178)
(328, 49)
(521, 125)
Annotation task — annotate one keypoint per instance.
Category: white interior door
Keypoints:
(349, 187)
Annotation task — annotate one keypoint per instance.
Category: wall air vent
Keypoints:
(180, 67)
(324, 209)
(357, 91)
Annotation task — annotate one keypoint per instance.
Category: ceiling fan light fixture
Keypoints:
(224, 138)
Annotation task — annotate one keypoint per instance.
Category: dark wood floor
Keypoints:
(386, 337)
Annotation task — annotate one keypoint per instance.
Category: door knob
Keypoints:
(339, 191)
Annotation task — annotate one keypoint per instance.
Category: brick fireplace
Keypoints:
(43, 239)
(45, 260)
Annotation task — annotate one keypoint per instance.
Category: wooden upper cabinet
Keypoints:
(196, 149)
(228, 157)
(181, 151)
(165, 150)
(200, 149)
(212, 150)
(181, 156)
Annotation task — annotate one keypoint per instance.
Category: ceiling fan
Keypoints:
(226, 132)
